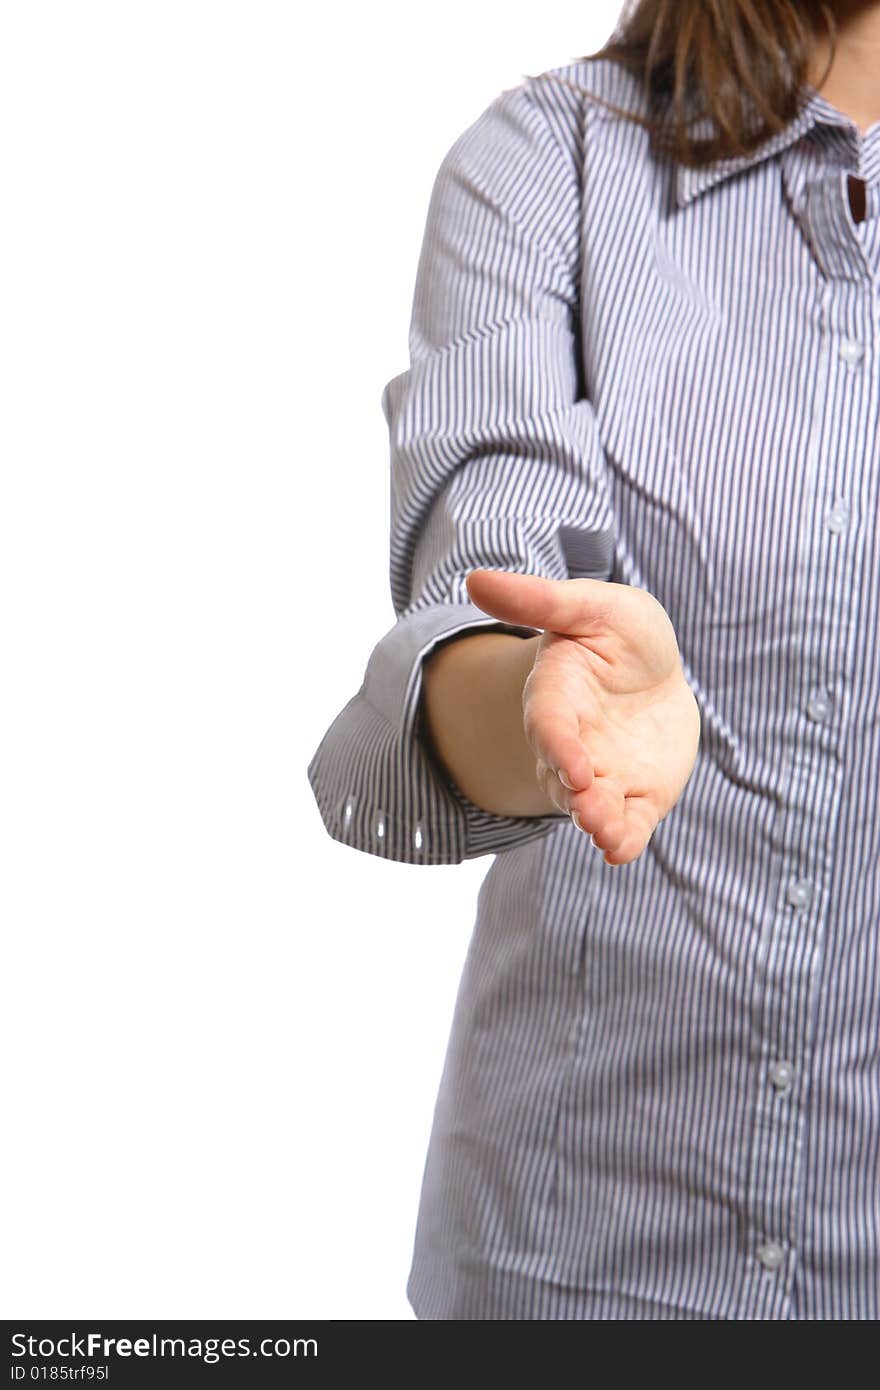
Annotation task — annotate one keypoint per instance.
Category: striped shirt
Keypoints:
(661, 1096)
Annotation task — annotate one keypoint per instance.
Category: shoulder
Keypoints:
(555, 107)
(540, 129)
(585, 85)
(567, 106)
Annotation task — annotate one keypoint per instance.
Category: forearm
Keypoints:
(473, 716)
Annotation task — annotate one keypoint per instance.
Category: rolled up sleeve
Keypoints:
(495, 463)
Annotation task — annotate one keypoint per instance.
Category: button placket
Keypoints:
(833, 470)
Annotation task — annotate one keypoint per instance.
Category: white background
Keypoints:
(222, 1031)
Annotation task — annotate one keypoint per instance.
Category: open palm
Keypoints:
(607, 710)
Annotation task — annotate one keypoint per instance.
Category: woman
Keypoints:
(635, 463)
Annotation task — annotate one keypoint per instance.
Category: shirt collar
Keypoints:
(816, 110)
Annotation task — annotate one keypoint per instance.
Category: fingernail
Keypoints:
(565, 779)
(574, 816)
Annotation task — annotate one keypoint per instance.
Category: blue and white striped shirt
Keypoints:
(661, 1097)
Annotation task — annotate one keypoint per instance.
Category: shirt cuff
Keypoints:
(376, 784)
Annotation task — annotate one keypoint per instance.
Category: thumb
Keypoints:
(531, 600)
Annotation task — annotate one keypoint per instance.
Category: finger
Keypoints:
(640, 826)
(552, 731)
(552, 787)
(611, 835)
(599, 811)
(531, 600)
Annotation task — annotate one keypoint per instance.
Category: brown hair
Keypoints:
(741, 63)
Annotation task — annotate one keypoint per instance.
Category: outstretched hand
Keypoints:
(607, 711)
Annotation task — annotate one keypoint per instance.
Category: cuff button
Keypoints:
(346, 812)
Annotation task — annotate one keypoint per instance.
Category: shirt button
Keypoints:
(851, 351)
(836, 517)
(771, 1255)
(799, 892)
(782, 1075)
(818, 706)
